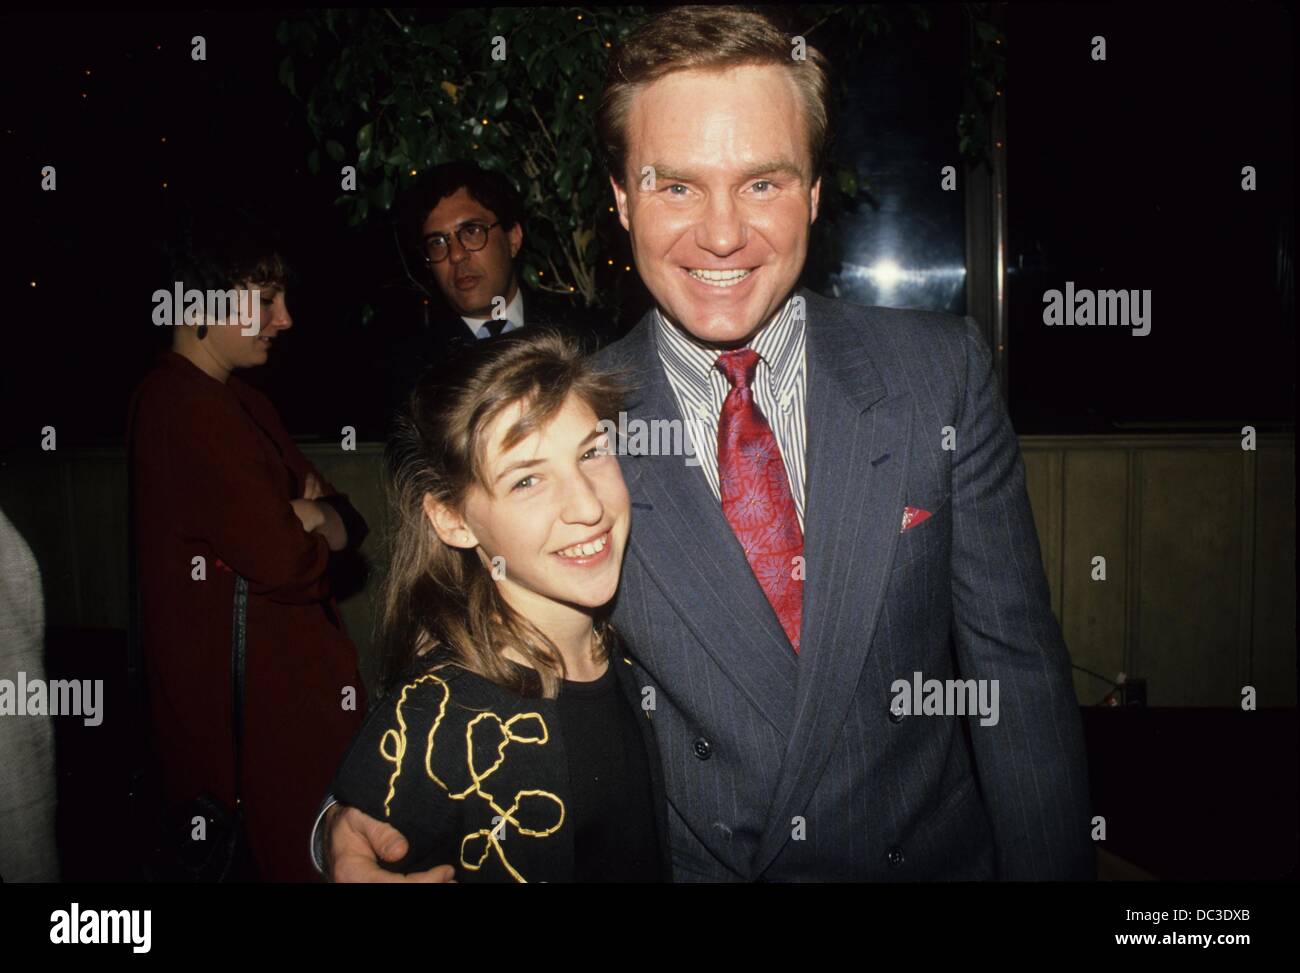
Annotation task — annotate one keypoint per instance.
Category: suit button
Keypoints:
(703, 749)
(894, 857)
(896, 711)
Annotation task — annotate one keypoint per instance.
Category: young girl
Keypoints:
(509, 742)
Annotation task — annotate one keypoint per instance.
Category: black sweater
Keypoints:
(510, 788)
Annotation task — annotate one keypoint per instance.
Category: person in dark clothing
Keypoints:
(510, 744)
(221, 492)
(465, 226)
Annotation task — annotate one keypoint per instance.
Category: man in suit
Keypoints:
(862, 524)
(466, 225)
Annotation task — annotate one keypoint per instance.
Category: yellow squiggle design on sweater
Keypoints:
(529, 817)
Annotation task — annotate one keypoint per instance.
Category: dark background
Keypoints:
(1123, 174)
(1127, 174)
(92, 247)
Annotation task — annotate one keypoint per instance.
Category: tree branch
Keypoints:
(406, 269)
(545, 131)
(400, 26)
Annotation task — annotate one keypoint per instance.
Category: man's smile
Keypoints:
(721, 278)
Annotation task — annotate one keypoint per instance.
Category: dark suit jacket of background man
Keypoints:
(786, 768)
(413, 348)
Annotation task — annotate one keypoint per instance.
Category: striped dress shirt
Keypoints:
(780, 390)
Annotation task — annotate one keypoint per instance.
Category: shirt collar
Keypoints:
(780, 344)
(514, 313)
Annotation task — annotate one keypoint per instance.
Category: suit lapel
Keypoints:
(682, 539)
(859, 440)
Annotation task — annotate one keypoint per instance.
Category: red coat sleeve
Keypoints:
(240, 502)
(260, 407)
(269, 419)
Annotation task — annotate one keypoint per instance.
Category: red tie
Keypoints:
(756, 494)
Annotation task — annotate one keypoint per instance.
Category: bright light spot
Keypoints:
(886, 274)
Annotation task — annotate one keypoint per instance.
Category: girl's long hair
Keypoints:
(435, 594)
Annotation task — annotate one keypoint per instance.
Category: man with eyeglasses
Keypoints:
(467, 225)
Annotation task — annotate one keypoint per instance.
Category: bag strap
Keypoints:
(237, 652)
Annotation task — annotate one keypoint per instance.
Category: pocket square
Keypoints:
(913, 516)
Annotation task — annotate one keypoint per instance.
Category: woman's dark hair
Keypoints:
(435, 594)
(219, 247)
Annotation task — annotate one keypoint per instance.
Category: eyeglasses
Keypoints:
(472, 236)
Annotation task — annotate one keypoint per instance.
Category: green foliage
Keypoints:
(984, 77)
(397, 92)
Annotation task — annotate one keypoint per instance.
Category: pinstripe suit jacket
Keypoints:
(785, 768)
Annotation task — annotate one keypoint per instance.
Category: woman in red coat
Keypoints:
(221, 490)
